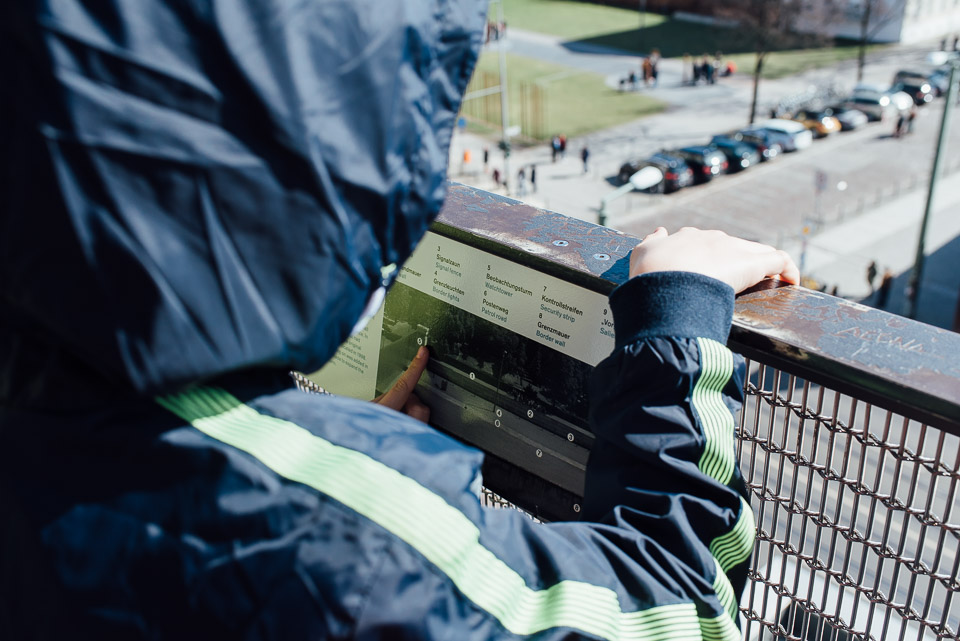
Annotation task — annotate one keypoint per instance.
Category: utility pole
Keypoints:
(504, 116)
(916, 276)
(643, 23)
(956, 315)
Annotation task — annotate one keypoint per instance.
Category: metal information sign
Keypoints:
(511, 350)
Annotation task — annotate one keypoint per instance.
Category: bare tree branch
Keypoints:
(881, 12)
(764, 23)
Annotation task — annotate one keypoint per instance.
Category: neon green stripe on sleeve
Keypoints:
(716, 365)
(720, 629)
(735, 546)
(719, 462)
(728, 598)
(437, 530)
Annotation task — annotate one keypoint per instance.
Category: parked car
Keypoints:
(799, 135)
(705, 161)
(878, 103)
(848, 117)
(769, 144)
(676, 172)
(937, 77)
(818, 121)
(918, 89)
(875, 108)
(740, 154)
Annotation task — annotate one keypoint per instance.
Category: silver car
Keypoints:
(878, 103)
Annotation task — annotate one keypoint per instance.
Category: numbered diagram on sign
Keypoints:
(480, 372)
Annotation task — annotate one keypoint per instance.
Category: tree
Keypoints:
(862, 20)
(872, 16)
(764, 24)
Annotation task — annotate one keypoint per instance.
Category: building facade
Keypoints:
(904, 21)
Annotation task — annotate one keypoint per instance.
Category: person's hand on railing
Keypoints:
(401, 397)
(739, 263)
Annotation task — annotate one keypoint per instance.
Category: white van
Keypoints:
(801, 136)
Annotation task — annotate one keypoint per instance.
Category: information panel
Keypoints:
(510, 352)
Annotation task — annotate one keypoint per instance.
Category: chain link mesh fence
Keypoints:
(856, 531)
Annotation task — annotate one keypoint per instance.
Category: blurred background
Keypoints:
(813, 126)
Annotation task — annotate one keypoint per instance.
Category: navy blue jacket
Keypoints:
(199, 196)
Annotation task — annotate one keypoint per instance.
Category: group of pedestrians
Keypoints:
(522, 180)
(558, 147)
(706, 69)
(649, 72)
(650, 68)
(886, 284)
(495, 31)
(524, 174)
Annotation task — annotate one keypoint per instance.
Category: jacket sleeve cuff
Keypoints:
(678, 304)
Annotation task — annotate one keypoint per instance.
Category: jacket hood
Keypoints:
(196, 188)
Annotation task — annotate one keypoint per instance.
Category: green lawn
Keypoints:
(546, 99)
(616, 28)
(572, 20)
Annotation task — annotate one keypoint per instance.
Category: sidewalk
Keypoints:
(839, 255)
(889, 234)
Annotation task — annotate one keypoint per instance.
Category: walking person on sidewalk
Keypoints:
(883, 294)
(584, 155)
(872, 275)
(900, 127)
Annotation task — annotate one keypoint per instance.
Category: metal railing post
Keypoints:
(916, 276)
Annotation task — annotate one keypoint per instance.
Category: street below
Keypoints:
(854, 197)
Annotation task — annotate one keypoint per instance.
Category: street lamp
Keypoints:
(916, 276)
(643, 179)
(504, 115)
(643, 16)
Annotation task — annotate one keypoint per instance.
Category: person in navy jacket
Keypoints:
(203, 195)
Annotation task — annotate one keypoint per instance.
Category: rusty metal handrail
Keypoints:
(887, 360)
